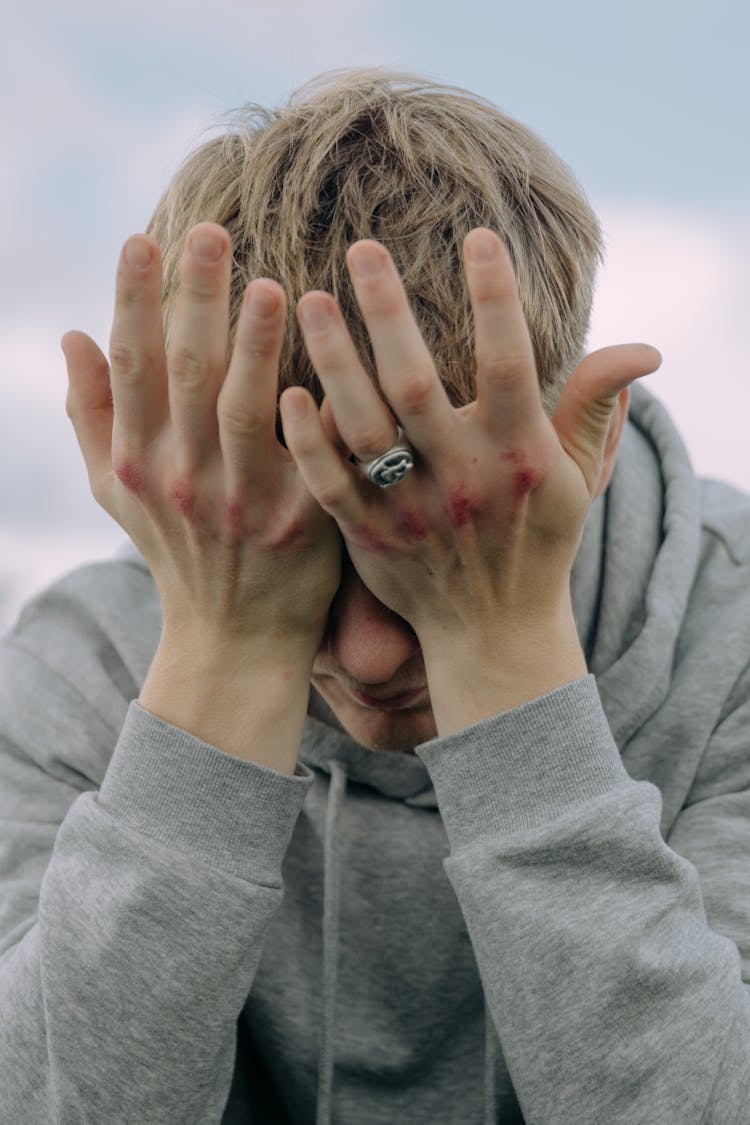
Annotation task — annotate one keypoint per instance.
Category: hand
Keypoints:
(183, 453)
(473, 547)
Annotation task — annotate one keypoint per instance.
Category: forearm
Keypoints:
(247, 699)
(152, 915)
(613, 999)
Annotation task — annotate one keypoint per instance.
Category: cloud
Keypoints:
(678, 280)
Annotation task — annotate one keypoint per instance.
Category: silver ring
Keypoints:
(390, 467)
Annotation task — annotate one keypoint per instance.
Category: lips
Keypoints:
(390, 702)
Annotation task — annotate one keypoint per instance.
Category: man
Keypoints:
(495, 867)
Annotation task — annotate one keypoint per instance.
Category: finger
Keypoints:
(331, 430)
(246, 407)
(329, 479)
(89, 405)
(406, 372)
(362, 419)
(508, 397)
(136, 349)
(197, 351)
(587, 402)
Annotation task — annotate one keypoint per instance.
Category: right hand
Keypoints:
(182, 452)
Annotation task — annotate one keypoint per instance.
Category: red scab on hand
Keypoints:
(368, 539)
(525, 481)
(462, 506)
(183, 497)
(234, 514)
(131, 475)
(413, 525)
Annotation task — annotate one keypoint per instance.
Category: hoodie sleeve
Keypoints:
(615, 998)
(132, 912)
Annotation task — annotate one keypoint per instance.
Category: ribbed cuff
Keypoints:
(525, 767)
(232, 814)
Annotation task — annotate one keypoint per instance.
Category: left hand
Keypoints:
(482, 533)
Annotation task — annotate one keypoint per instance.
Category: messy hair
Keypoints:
(371, 153)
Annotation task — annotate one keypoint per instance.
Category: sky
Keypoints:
(647, 102)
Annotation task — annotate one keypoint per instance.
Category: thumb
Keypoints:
(89, 403)
(585, 408)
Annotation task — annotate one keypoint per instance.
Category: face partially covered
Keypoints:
(371, 673)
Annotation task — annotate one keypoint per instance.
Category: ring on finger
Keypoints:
(393, 465)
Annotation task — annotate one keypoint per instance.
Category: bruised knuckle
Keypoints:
(130, 472)
(182, 494)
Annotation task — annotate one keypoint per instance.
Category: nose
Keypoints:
(367, 640)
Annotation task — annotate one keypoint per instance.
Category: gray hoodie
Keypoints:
(544, 918)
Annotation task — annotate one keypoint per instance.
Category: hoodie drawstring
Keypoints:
(331, 885)
(336, 792)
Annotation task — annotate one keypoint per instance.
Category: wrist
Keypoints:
(494, 666)
(248, 699)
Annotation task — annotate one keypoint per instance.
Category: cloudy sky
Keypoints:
(646, 101)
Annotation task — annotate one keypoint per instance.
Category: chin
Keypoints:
(395, 732)
(399, 730)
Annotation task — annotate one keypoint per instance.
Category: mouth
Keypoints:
(397, 702)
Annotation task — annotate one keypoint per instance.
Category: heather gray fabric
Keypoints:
(544, 918)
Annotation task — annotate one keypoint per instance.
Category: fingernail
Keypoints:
(205, 247)
(314, 314)
(137, 252)
(481, 246)
(365, 261)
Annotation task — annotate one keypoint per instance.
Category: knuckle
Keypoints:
(234, 517)
(383, 301)
(237, 419)
(132, 294)
(330, 493)
(261, 347)
(503, 368)
(490, 290)
(124, 360)
(416, 386)
(100, 485)
(369, 443)
(187, 366)
(182, 493)
(129, 472)
(327, 350)
(201, 286)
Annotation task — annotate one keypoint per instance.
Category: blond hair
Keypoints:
(370, 153)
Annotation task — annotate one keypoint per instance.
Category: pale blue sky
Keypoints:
(646, 101)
